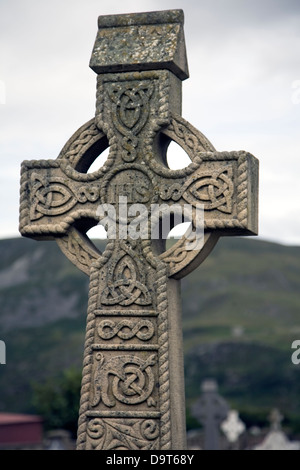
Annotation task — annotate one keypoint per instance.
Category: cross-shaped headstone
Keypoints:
(211, 409)
(132, 394)
(233, 426)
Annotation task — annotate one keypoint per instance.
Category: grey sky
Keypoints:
(243, 91)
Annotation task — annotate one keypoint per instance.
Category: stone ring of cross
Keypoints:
(83, 148)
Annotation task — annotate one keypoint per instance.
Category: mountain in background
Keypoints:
(241, 313)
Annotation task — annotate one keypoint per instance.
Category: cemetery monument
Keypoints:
(132, 394)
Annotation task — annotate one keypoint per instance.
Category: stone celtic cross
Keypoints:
(210, 409)
(132, 394)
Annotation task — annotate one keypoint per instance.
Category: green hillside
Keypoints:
(241, 312)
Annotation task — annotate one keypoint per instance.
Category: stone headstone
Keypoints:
(276, 439)
(211, 410)
(132, 394)
(233, 426)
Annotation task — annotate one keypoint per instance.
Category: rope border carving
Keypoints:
(87, 357)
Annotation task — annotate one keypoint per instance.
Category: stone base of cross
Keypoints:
(132, 394)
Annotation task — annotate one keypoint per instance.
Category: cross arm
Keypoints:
(225, 184)
(52, 201)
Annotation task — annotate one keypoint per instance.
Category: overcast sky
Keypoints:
(243, 92)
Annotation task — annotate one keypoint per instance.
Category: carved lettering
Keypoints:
(132, 184)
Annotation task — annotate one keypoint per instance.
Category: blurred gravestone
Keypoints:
(276, 439)
(211, 409)
(233, 427)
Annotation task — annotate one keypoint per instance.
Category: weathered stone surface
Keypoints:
(132, 388)
(141, 41)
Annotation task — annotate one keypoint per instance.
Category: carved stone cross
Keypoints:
(211, 409)
(132, 394)
(233, 426)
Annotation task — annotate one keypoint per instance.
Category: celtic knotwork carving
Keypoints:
(190, 140)
(194, 142)
(180, 254)
(129, 145)
(123, 434)
(214, 189)
(78, 250)
(173, 192)
(126, 379)
(131, 106)
(126, 292)
(143, 329)
(49, 196)
(89, 132)
(88, 193)
(124, 288)
(130, 112)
